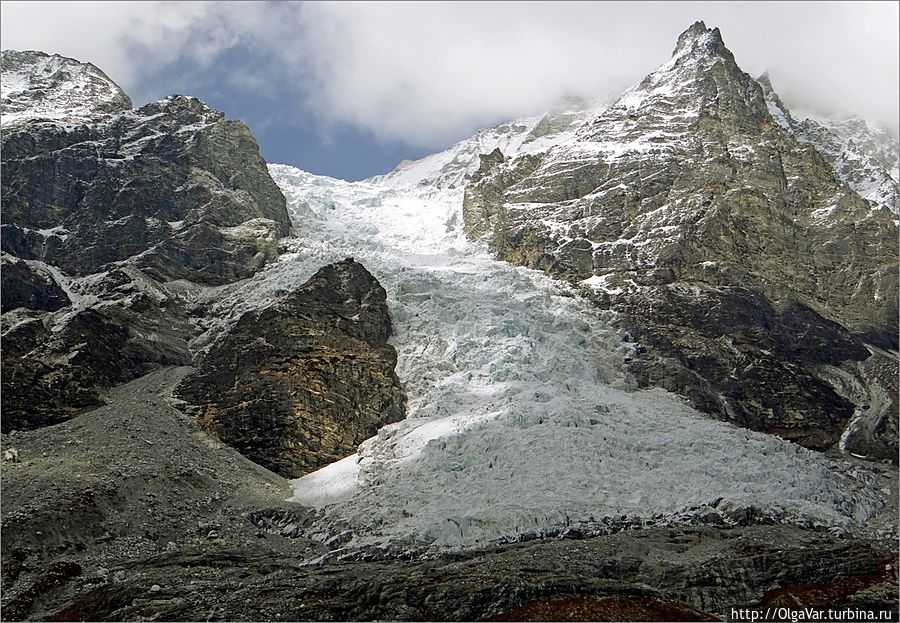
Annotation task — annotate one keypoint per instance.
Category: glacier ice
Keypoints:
(521, 417)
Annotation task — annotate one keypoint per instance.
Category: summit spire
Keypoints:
(700, 39)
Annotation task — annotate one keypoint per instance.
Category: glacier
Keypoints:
(521, 419)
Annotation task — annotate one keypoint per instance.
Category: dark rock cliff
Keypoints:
(98, 217)
(301, 383)
(172, 188)
(114, 219)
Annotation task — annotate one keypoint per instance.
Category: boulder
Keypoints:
(299, 384)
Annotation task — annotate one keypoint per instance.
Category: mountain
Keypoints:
(108, 215)
(756, 282)
(114, 222)
(450, 169)
(530, 459)
(735, 339)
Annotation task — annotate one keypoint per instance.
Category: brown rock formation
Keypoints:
(301, 383)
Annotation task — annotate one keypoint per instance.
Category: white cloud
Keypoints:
(100, 32)
(422, 71)
(426, 73)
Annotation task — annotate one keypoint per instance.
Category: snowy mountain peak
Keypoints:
(40, 86)
(679, 90)
(698, 39)
(701, 80)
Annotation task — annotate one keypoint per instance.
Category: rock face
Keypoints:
(111, 219)
(30, 286)
(746, 269)
(54, 364)
(171, 187)
(863, 156)
(116, 221)
(301, 383)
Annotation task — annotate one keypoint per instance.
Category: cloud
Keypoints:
(103, 33)
(424, 72)
(132, 40)
(421, 72)
(429, 73)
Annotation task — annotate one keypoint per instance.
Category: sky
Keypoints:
(350, 89)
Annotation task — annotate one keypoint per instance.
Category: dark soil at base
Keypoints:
(129, 512)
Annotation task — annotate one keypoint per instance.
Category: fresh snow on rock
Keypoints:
(450, 168)
(868, 137)
(521, 418)
(863, 154)
(39, 86)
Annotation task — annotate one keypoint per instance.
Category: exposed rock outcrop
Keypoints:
(111, 219)
(133, 327)
(863, 155)
(172, 187)
(727, 245)
(300, 383)
(29, 286)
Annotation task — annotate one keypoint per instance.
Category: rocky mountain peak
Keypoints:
(50, 87)
(687, 189)
(700, 40)
(765, 81)
(700, 81)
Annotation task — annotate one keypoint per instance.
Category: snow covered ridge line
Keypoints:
(78, 92)
(521, 419)
(449, 169)
(863, 155)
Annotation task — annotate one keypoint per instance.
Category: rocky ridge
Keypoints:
(115, 223)
(450, 169)
(172, 188)
(863, 156)
(744, 269)
(109, 220)
(44, 87)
